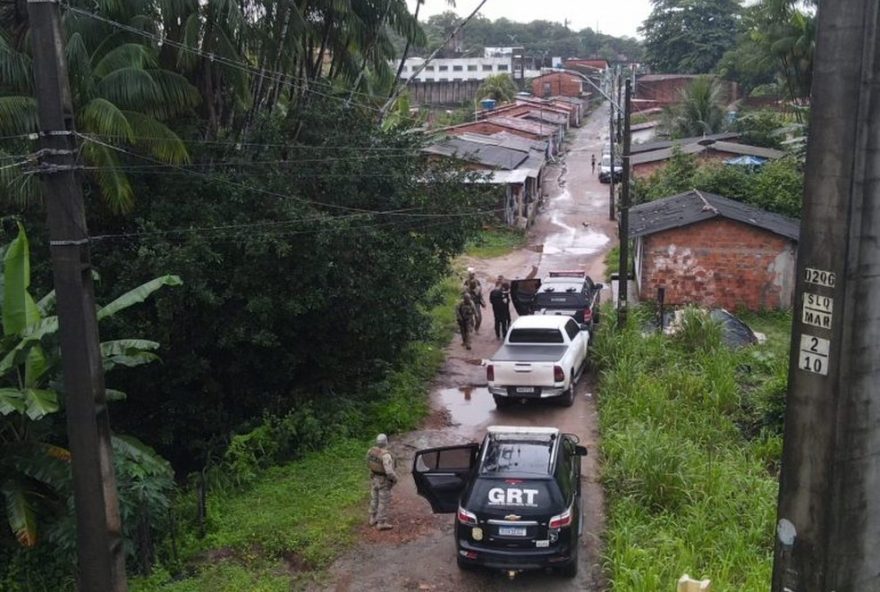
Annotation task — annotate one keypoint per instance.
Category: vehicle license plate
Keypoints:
(525, 389)
(512, 530)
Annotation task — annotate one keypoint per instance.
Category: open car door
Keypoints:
(441, 475)
(522, 293)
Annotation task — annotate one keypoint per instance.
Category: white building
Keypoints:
(459, 69)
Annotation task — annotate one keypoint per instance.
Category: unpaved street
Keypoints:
(572, 232)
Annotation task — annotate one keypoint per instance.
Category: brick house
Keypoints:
(562, 84)
(711, 251)
(644, 164)
(665, 89)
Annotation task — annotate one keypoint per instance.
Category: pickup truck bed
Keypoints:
(529, 353)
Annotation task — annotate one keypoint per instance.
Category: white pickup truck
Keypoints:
(542, 357)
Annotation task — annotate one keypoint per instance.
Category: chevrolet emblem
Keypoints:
(512, 517)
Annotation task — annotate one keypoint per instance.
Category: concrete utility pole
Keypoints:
(829, 507)
(611, 207)
(98, 525)
(623, 224)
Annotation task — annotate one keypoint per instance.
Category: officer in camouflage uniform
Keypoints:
(382, 479)
(465, 314)
(473, 287)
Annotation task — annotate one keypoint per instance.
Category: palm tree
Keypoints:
(699, 111)
(499, 87)
(121, 96)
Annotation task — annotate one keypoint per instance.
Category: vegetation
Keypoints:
(499, 87)
(539, 38)
(691, 443)
(689, 36)
(495, 242)
(777, 186)
(773, 53)
(699, 111)
(243, 155)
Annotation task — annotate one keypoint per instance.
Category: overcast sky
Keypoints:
(614, 17)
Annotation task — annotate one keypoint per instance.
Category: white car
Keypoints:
(542, 357)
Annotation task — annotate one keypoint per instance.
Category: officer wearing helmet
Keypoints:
(382, 479)
(473, 287)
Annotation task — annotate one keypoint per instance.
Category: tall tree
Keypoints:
(689, 36)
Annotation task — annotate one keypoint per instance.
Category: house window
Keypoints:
(457, 68)
(456, 80)
(502, 67)
(443, 79)
(548, 89)
(472, 67)
(487, 67)
(429, 80)
(444, 68)
(429, 68)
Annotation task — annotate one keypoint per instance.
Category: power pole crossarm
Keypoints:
(98, 526)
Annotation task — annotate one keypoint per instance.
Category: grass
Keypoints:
(690, 454)
(290, 522)
(495, 242)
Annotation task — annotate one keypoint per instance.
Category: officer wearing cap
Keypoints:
(382, 479)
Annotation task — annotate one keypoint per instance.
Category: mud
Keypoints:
(573, 232)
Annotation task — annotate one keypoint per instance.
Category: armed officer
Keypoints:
(382, 478)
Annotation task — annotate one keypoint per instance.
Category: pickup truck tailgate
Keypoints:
(537, 371)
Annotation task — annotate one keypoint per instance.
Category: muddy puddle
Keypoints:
(468, 406)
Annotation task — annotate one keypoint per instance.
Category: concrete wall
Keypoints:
(718, 263)
(443, 93)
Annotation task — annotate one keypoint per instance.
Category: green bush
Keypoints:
(687, 490)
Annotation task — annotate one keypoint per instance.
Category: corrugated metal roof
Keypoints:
(517, 177)
(550, 117)
(697, 206)
(520, 142)
(486, 154)
(532, 127)
(663, 144)
(707, 145)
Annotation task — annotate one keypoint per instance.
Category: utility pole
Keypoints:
(623, 224)
(611, 207)
(828, 529)
(98, 525)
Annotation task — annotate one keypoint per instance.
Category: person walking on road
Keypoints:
(475, 289)
(499, 298)
(464, 314)
(382, 479)
(593, 163)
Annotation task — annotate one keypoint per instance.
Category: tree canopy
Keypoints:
(689, 36)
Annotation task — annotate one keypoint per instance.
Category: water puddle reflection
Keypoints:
(468, 405)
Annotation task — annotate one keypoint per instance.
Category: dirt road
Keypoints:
(572, 232)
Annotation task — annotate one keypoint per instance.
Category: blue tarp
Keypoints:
(755, 161)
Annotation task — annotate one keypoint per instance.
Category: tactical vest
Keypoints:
(374, 460)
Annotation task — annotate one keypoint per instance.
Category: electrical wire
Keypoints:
(405, 212)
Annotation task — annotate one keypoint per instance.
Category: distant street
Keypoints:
(571, 232)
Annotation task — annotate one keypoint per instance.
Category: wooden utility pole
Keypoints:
(623, 224)
(828, 529)
(98, 526)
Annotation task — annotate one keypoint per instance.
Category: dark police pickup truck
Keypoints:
(516, 496)
(571, 293)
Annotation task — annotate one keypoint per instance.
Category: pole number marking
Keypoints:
(818, 310)
(820, 277)
(814, 354)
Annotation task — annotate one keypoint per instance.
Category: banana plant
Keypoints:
(33, 471)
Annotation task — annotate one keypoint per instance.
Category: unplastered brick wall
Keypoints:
(719, 263)
(560, 84)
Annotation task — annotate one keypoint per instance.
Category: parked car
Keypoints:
(571, 293)
(605, 169)
(516, 496)
(542, 357)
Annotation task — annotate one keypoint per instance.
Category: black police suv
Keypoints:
(571, 293)
(516, 497)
